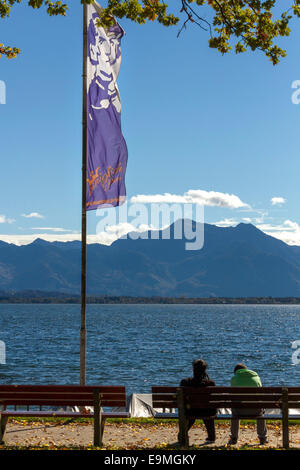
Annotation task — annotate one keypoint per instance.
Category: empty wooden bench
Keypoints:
(37, 401)
(252, 398)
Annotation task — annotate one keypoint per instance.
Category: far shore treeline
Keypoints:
(38, 297)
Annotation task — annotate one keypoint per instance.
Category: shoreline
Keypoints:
(57, 299)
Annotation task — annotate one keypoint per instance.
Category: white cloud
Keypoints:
(232, 222)
(53, 229)
(6, 220)
(114, 232)
(33, 215)
(261, 219)
(106, 237)
(226, 223)
(291, 225)
(288, 231)
(287, 225)
(195, 196)
(27, 239)
(277, 201)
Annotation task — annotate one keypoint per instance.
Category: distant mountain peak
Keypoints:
(247, 226)
(40, 241)
(249, 229)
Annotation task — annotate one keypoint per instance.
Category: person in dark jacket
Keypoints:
(201, 379)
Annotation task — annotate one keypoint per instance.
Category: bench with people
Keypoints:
(198, 397)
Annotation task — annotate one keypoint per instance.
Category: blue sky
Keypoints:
(192, 118)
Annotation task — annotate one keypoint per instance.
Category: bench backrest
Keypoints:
(164, 397)
(61, 395)
(226, 397)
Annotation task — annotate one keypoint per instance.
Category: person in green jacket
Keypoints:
(243, 377)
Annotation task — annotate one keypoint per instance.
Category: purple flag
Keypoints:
(106, 147)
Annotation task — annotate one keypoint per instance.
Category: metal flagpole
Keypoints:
(83, 217)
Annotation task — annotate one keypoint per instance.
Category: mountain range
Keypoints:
(239, 261)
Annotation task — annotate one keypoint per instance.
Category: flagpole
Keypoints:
(83, 213)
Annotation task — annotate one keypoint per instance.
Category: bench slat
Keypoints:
(244, 389)
(164, 404)
(57, 396)
(61, 402)
(62, 414)
(226, 404)
(163, 396)
(235, 391)
(63, 388)
(156, 389)
(229, 416)
(233, 396)
(159, 389)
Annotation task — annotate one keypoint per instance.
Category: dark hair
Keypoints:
(239, 366)
(199, 368)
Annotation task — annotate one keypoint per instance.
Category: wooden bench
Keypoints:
(41, 396)
(248, 398)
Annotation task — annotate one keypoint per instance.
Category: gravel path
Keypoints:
(133, 435)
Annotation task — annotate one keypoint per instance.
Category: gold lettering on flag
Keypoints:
(105, 178)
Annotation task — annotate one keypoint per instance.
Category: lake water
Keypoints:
(144, 345)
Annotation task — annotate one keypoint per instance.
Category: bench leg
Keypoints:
(98, 426)
(285, 420)
(183, 432)
(102, 430)
(183, 436)
(3, 423)
(98, 430)
(285, 432)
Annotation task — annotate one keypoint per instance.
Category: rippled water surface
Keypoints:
(143, 345)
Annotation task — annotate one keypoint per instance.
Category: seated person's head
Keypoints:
(239, 366)
(199, 367)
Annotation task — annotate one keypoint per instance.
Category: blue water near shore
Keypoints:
(144, 345)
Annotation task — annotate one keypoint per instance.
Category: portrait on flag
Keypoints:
(106, 147)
